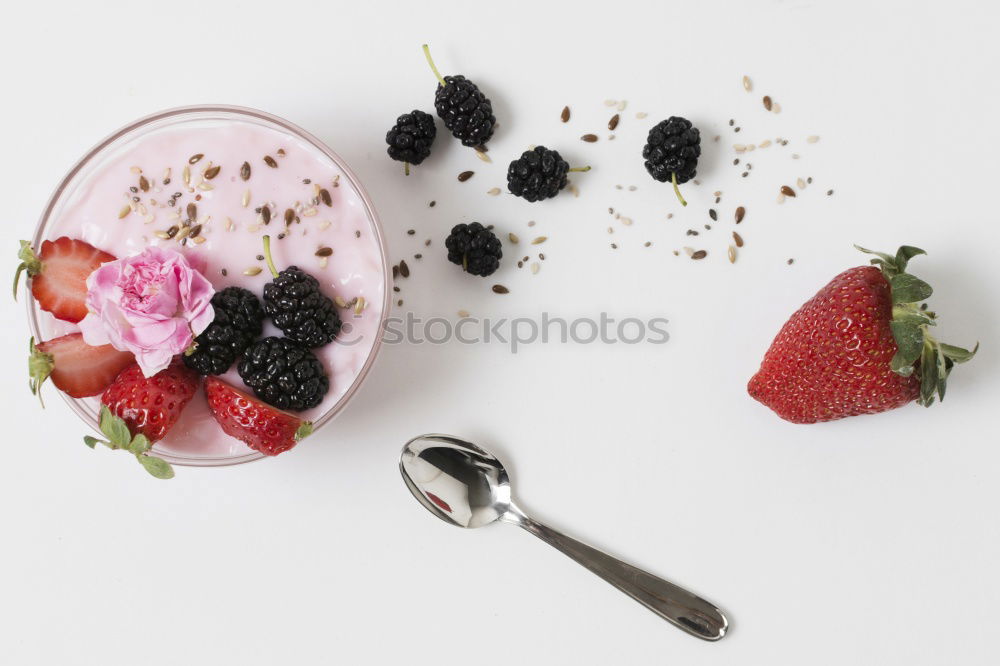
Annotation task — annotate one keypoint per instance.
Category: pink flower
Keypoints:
(152, 304)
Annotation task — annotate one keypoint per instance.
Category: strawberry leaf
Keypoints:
(92, 441)
(158, 467)
(40, 366)
(909, 342)
(957, 354)
(29, 262)
(928, 376)
(304, 430)
(140, 444)
(904, 254)
(908, 288)
(115, 429)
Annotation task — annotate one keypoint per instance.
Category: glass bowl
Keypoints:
(43, 326)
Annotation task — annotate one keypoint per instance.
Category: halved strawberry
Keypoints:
(59, 275)
(151, 405)
(76, 368)
(260, 426)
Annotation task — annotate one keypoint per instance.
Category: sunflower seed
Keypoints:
(500, 289)
(613, 123)
(269, 161)
(700, 254)
(199, 239)
(253, 270)
(737, 239)
(539, 240)
(143, 184)
(767, 102)
(787, 191)
(732, 254)
(162, 234)
(124, 212)
(565, 114)
(246, 199)
(212, 172)
(265, 214)
(194, 159)
(324, 252)
(589, 138)
(195, 230)
(186, 174)
(740, 213)
(465, 175)
(172, 231)
(245, 171)
(747, 85)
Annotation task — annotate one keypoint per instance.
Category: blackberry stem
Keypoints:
(677, 190)
(583, 168)
(427, 54)
(267, 256)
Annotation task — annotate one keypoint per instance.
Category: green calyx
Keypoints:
(918, 352)
(29, 262)
(119, 437)
(40, 366)
(267, 256)
(303, 430)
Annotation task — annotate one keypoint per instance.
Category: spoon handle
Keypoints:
(681, 608)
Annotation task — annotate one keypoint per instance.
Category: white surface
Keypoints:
(871, 540)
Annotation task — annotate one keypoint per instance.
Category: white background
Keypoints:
(867, 541)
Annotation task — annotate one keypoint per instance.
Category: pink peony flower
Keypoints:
(152, 304)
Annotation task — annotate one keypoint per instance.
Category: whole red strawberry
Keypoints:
(59, 273)
(151, 405)
(260, 426)
(861, 345)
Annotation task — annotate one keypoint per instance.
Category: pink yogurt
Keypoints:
(231, 238)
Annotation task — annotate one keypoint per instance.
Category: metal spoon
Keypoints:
(466, 486)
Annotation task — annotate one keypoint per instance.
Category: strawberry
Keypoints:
(150, 406)
(59, 275)
(76, 368)
(861, 345)
(260, 426)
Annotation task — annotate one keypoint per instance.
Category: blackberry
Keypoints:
(284, 374)
(671, 152)
(465, 110)
(538, 174)
(411, 137)
(238, 322)
(296, 305)
(475, 248)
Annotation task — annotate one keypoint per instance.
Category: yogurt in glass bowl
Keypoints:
(210, 182)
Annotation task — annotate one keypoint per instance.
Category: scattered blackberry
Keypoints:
(671, 152)
(238, 322)
(284, 374)
(295, 304)
(475, 248)
(465, 110)
(411, 137)
(538, 174)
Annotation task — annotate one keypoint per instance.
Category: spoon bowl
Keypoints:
(467, 486)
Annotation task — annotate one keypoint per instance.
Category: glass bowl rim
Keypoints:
(180, 112)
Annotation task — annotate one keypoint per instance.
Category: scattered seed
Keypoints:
(195, 230)
(565, 114)
(192, 211)
(134, 169)
(404, 270)
(732, 254)
(245, 171)
(700, 254)
(500, 289)
(212, 172)
(512, 237)
(186, 174)
(359, 305)
(143, 184)
(539, 240)
(432, 204)
(739, 147)
(589, 138)
(535, 267)
(614, 246)
(265, 214)
(493, 191)
(172, 231)
(767, 102)
(253, 270)
(246, 199)
(787, 191)
(310, 212)
(764, 144)
(324, 252)
(230, 225)
(776, 108)
(124, 212)
(790, 262)
(712, 214)
(483, 156)
(801, 183)
(641, 115)
(812, 139)
(740, 213)
(194, 159)
(613, 123)
(622, 104)
(289, 216)
(737, 239)
(627, 221)
(411, 232)
(162, 234)
(610, 102)
(269, 161)
(465, 175)
(747, 85)
(829, 193)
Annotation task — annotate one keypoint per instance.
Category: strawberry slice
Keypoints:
(150, 406)
(260, 426)
(59, 275)
(76, 368)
